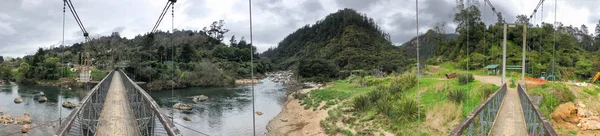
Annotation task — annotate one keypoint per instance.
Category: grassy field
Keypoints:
(368, 105)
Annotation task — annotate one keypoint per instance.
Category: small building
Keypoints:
(513, 67)
(493, 69)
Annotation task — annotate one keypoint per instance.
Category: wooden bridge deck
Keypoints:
(117, 118)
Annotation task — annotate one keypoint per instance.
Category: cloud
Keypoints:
(26, 25)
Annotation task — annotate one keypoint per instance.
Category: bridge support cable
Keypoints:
(252, 70)
(418, 72)
(77, 19)
(62, 60)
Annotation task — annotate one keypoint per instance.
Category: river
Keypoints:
(228, 111)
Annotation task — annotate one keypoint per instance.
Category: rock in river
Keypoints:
(200, 98)
(42, 99)
(181, 106)
(186, 118)
(25, 128)
(69, 105)
(18, 100)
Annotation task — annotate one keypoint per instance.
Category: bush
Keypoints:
(464, 78)
(299, 96)
(361, 103)
(487, 91)
(375, 95)
(409, 109)
(457, 95)
(403, 83)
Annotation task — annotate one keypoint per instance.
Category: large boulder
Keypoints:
(18, 100)
(42, 99)
(25, 128)
(69, 105)
(200, 98)
(589, 125)
(181, 106)
(25, 119)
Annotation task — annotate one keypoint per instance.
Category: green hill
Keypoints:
(346, 39)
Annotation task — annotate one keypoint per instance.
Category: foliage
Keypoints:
(350, 40)
(361, 103)
(98, 75)
(457, 95)
(464, 78)
(317, 70)
(5, 71)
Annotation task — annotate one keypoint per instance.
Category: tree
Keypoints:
(317, 70)
(522, 19)
(216, 31)
(187, 53)
(1, 59)
(5, 71)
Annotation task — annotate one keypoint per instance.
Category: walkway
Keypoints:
(117, 118)
(510, 121)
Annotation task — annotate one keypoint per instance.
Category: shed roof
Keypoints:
(491, 66)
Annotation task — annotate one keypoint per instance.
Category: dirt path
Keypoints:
(295, 121)
(116, 118)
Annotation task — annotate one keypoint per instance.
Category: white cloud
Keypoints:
(26, 25)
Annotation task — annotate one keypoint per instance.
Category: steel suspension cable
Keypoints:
(418, 72)
(62, 57)
(252, 70)
(173, 56)
(162, 15)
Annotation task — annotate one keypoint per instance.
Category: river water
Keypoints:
(228, 111)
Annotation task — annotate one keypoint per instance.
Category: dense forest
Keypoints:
(201, 58)
(343, 41)
(575, 50)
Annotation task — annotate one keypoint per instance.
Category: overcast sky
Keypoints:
(26, 25)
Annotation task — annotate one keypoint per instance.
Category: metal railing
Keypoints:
(481, 121)
(84, 119)
(149, 117)
(534, 119)
(147, 112)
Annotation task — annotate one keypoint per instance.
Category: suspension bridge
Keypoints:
(117, 105)
(508, 111)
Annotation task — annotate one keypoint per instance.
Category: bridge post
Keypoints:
(504, 55)
(524, 52)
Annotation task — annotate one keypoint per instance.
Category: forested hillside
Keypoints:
(200, 58)
(575, 49)
(344, 40)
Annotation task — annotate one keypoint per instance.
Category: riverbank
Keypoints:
(294, 120)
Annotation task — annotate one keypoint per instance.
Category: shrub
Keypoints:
(299, 96)
(375, 95)
(487, 91)
(409, 109)
(457, 95)
(464, 78)
(403, 83)
(361, 103)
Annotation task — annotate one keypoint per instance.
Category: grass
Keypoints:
(392, 104)
(552, 96)
(339, 90)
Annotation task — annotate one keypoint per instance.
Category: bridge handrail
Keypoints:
(533, 123)
(66, 126)
(167, 124)
(491, 107)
